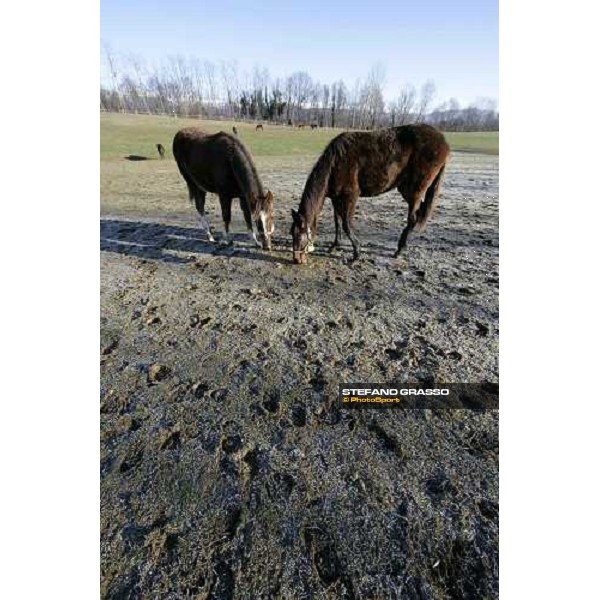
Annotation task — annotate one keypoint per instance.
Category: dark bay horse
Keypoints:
(410, 158)
(220, 164)
(161, 150)
(235, 130)
(259, 126)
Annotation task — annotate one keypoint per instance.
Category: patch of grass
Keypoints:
(155, 187)
(482, 142)
(123, 135)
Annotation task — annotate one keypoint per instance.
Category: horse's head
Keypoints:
(301, 238)
(264, 219)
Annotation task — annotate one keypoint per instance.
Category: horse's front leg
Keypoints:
(225, 202)
(336, 241)
(245, 204)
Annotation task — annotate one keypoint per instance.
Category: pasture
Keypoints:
(228, 470)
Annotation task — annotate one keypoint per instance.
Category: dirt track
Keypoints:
(227, 470)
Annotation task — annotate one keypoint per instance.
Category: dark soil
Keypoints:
(228, 470)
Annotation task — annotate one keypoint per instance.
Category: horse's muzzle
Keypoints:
(300, 258)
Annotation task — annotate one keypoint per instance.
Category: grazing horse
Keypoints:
(300, 125)
(410, 158)
(161, 150)
(259, 126)
(235, 130)
(220, 164)
(313, 125)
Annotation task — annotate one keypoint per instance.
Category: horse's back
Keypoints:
(185, 140)
(424, 141)
(377, 161)
(208, 159)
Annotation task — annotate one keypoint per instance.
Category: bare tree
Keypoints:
(190, 86)
(315, 95)
(405, 104)
(138, 66)
(211, 84)
(229, 75)
(198, 82)
(340, 99)
(300, 84)
(371, 100)
(426, 96)
(114, 74)
(325, 96)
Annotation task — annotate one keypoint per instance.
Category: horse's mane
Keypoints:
(315, 189)
(244, 168)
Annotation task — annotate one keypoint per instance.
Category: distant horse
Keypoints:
(235, 130)
(313, 125)
(290, 123)
(259, 126)
(410, 158)
(301, 125)
(161, 150)
(220, 164)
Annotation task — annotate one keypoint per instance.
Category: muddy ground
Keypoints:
(228, 470)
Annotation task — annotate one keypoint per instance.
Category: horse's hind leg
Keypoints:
(225, 202)
(336, 218)
(348, 205)
(199, 197)
(413, 209)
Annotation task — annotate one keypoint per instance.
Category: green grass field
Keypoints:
(121, 135)
(284, 157)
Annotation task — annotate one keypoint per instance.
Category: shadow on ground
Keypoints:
(175, 244)
(136, 157)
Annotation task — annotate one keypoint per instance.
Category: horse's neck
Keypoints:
(313, 197)
(311, 208)
(249, 179)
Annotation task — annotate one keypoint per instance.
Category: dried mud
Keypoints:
(228, 470)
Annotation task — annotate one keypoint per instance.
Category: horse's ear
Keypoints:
(295, 216)
(269, 196)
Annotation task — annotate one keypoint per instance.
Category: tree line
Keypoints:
(191, 87)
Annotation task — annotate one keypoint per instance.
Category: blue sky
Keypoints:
(455, 42)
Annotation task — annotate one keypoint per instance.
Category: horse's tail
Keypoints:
(429, 202)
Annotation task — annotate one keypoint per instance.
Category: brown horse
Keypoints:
(161, 150)
(410, 158)
(313, 126)
(259, 126)
(220, 164)
(235, 130)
